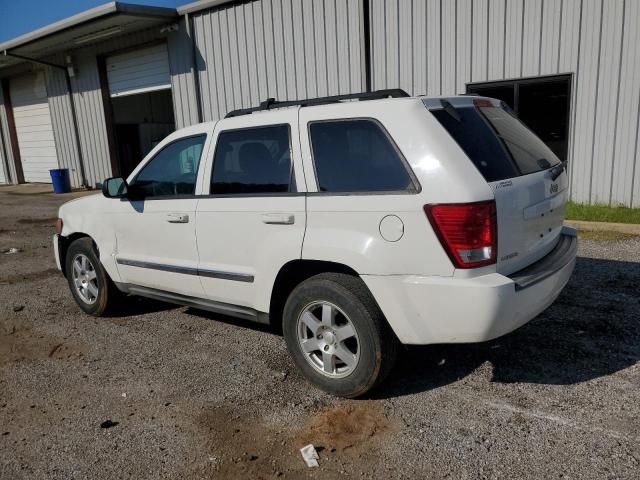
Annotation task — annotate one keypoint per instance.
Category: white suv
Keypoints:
(356, 226)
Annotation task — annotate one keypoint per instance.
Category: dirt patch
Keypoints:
(345, 426)
(242, 446)
(19, 344)
(28, 277)
(63, 351)
(38, 221)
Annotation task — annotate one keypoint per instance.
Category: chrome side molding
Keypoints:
(234, 276)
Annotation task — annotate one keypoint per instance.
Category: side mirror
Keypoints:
(115, 187)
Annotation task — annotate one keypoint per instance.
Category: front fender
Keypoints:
(89, 216)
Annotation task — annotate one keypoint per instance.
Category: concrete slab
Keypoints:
(41, 189)
(630, 228)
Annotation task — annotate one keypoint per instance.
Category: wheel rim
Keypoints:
(328, 339)
(85, 279)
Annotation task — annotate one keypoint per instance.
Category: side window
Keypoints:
(172, 171)
(356, 156)
(253, 160)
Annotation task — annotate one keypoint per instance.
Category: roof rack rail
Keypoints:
(270, 103)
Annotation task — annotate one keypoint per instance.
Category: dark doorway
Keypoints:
(543, 104)
(140, 122)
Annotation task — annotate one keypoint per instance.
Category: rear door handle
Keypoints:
(278, 218)
(177, 218)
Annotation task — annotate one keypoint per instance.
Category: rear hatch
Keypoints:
(529, 181)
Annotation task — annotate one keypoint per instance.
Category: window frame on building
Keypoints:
(516, 83)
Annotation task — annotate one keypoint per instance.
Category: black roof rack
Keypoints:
(272, 103)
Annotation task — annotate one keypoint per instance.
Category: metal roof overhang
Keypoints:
(86, 28)
(200, 5)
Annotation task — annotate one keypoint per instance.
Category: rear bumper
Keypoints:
(424, 310)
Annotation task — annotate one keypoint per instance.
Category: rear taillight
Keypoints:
(467, 231)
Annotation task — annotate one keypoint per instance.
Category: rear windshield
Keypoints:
(498, 144)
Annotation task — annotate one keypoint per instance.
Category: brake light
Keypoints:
(467, 232)
(59, 226)
(482, 102)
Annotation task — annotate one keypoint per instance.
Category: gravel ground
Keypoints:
(188, 394)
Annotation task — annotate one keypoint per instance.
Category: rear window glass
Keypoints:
(498, 144)
(356, 156)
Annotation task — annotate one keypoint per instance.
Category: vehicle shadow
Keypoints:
(589, 332)
(233, 321)
(134, 305)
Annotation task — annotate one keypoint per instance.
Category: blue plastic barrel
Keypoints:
(60, 180)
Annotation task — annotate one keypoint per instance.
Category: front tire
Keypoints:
(337, 335)
(91, 287)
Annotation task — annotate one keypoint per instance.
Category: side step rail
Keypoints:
(236, 311)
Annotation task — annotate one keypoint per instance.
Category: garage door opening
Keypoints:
(141, 103)
(543, 104)
(140, 123)
(33, 127)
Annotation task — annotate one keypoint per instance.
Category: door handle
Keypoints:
(177, 218)
(278, 218)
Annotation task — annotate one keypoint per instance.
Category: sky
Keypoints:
(22, 16)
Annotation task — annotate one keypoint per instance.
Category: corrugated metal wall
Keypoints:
(286, 49)
(182, 79)
(3, 165)
(63, 130)
(438, 46)
(4, 160)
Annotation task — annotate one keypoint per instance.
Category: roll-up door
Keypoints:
(138, 71)
(33, 127)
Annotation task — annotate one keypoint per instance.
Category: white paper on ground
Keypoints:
(310, 455)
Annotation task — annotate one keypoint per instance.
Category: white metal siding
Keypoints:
(33, 127)
(63, 131)
(138, 71)
(3, 177)
(286, 49)
(183, 86)
(437, 47)
(4, 135)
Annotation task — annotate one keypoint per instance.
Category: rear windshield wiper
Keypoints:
(543, 163)
(557, 170)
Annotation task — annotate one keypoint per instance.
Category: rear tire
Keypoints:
(337, 335)
(90, 285)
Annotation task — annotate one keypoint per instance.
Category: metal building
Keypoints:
(96, 91)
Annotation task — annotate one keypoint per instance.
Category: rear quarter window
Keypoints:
(357, 155)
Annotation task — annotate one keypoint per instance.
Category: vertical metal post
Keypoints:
(5, 155)
(74, 119)
(366, 12)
